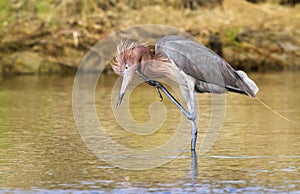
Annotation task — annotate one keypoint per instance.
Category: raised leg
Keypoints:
(188, 93)
(159, 86)
(191, 115)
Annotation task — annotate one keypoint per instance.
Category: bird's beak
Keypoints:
(126, 80)
(120, 99)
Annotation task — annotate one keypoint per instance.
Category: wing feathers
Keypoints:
(203, 64)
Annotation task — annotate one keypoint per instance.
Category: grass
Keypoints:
(5, 13)
(231, 36)
(23, 11)
(95, 18)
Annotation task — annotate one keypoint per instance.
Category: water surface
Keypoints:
(42, 151)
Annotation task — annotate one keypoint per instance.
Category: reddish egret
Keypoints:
(191, 65)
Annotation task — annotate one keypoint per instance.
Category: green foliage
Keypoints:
(42, 7)
(231, 36)
(5, 6)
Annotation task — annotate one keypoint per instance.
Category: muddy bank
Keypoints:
(253, 37)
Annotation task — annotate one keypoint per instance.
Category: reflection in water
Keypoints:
(41, 149)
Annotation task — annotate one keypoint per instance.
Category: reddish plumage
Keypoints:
(191, 65)
(128, 51)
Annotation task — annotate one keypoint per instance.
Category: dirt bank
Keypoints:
(43, 38)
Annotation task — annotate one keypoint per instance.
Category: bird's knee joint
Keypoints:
(192, 117)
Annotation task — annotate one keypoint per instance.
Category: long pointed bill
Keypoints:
(120, 99)
(125, 82)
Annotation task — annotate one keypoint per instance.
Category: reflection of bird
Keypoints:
(191, 65)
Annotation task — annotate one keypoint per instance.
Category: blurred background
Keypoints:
(52, 36)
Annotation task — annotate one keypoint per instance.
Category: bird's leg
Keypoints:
(188, 93)
(189, 97)
(151, 83)
(194, 167)
(156, 84)
(159, 94)
(194, 135)
(171, 97)
(159, 86)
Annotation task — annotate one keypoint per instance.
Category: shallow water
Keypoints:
(42, 150)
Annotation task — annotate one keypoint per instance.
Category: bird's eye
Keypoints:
(126, 66)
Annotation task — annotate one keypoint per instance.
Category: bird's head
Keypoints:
(129, 57)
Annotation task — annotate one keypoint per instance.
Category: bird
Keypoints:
(194, 67)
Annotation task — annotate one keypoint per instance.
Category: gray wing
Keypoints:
(203, 64)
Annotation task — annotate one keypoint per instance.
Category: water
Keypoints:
(42, 151)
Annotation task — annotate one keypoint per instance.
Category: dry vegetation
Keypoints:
(38, 36)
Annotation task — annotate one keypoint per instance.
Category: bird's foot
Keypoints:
(154, 83)
(157, 86)
(159, 94)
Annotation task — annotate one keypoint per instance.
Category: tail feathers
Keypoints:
(235, 90)
(250, 83)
